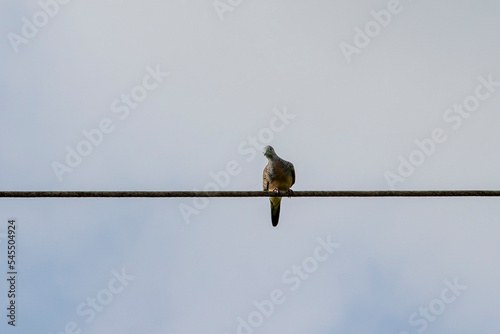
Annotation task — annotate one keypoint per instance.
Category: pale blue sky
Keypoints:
(344, 124)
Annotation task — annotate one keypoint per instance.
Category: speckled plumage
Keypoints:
(279, 175)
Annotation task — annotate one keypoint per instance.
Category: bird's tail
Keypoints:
(275, 210)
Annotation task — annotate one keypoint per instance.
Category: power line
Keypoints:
(321, 193)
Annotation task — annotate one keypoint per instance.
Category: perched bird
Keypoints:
(278, 175)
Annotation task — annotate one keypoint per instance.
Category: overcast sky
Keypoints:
(183, 95)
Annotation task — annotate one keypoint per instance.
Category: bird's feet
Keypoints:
(289, 192)
(276, 190)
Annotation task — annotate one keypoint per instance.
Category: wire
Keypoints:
(322, 193)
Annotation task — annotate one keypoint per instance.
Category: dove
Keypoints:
(279, 175)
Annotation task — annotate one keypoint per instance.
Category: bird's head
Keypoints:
(269, 152)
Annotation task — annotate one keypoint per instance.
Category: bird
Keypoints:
(278, 175)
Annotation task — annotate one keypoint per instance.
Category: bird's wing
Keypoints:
(289, 171)
(292, 170)
(265, 180)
